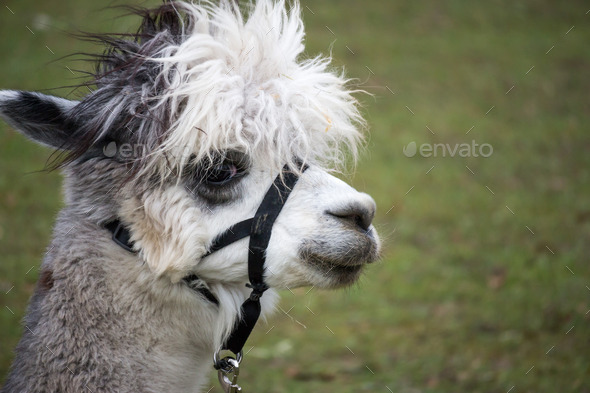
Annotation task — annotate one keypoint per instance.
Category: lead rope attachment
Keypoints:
(229, 372)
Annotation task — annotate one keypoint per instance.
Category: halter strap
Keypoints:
(260, 233)
(122, 237)
(231, 235)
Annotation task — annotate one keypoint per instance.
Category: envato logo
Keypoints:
(132, 151)
(123, 150)
(447, 150)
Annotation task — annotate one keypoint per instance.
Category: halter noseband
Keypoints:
(259, 229)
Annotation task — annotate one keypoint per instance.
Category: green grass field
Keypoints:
(484, 284)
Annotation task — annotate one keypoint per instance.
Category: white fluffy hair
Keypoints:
(243, 84)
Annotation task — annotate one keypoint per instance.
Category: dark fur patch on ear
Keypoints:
(45, 282)
(42, 118)
(31, 108)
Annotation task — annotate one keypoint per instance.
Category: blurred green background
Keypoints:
(485, 281)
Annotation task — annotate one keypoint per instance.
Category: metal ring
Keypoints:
(217, 362)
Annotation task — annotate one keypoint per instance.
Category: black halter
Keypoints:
(259, 229)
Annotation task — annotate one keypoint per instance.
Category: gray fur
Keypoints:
(88, 330)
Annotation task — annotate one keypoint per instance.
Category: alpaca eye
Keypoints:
(222, 173)
(216, 180)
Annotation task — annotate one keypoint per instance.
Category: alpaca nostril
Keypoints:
(357, 214)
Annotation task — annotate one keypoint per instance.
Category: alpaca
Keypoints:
(190, 123)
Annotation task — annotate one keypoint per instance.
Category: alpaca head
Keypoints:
(188, 125)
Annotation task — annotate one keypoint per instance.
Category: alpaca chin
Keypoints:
(338, 264)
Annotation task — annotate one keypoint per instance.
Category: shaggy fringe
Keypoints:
(198, 80)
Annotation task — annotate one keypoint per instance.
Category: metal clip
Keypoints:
(228, 377)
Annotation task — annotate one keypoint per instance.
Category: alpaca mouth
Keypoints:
(328, 267)
(333, 274)
(341, 262)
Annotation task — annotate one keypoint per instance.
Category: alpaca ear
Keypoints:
(40, 117)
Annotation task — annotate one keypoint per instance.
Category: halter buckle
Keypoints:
(257, 290)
